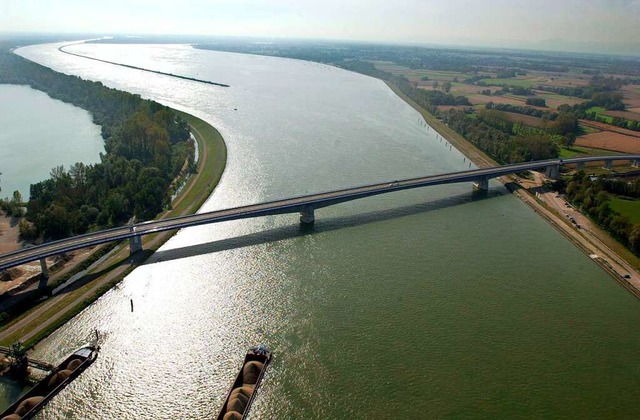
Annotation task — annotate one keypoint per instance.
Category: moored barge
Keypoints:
(61, 376)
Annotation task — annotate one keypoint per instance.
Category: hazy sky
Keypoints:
(595, 25)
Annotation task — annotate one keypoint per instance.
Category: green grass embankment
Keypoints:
(210, 144)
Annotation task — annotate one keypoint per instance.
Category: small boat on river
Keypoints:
(236, 405)
(61, 376)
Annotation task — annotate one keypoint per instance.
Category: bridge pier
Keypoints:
(305, 205)
(307, 215)
(608, 164)
(580, 166)
(481, 184)
(636, 163)
(44, 268)
(135, 244)
(553, 171)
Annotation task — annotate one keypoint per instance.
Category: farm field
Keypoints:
(526, 82)
(602, 114)
(631, 94)
(416, 75)
(535, 79)
(596, 138)
(612, 128)
(479, 99)
(554, 100)
(446, 108)
(467, 89)
(626, 207)
(571, 79)
(472, 91)
(610, 141)
(584, 129)
(577, 151)
(635, 116)
(525, 119)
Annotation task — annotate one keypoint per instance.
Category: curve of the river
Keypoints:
(426, 303)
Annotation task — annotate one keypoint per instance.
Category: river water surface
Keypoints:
(419, 304)
(39, 133)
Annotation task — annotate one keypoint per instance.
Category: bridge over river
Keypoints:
(305, 205)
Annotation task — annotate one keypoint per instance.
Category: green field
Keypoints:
(525, 83)
(419, 73)
(600, 113)
(438, 75)
(629, 208)
(578, 151)
(554, 100)
(584, 129)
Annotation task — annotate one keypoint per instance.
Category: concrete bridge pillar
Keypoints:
(553, 171)
(580, 165)
(636, 163)
(481, 184)
(608, 164)
(44, 268)
(307, 215)
(135, 244)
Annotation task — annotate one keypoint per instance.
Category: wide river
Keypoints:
(422, 304)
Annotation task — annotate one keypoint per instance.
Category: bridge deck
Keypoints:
(304, 204)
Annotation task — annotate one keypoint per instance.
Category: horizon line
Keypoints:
(423, 44)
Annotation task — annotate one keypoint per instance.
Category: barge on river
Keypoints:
(38, 396)
(240, 396)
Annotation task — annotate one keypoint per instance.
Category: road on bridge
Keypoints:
(292, 205)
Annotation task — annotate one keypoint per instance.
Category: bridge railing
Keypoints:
(304, 204)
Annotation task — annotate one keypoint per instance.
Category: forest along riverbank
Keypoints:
(620, 268)
(477, 156)
(40, 321)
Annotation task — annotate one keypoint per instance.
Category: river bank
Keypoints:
(40, 321)
(458, 271)
(602, 249)
(477, 156)
(45, 318)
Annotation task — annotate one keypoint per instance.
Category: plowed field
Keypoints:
(610, 141)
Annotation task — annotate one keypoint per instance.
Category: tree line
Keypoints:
(147, 147)
(524, 110)
(591, 196)
(601, 91)
(489, 130)
(494, 134)
(439, 59)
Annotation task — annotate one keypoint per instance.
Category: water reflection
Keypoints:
(398, 305)
(321, 225)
